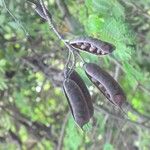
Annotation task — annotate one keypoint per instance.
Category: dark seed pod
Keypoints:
(106, 84)
(76, 102)
(79, 81)
(92, 45)
(38, 8)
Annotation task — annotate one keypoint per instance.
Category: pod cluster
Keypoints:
(79, 99)
(75, 89)
(92, 45)
(78, 96)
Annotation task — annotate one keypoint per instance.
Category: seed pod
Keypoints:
(106, 83)
(38, 8)
(92, 45)
(79, 81)
(76, 102)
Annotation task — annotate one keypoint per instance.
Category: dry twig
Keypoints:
(61, 137)
(115, 116)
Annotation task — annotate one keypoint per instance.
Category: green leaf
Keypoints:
(73, 137)
(94, 24)
(137, 103)
(101, 6)
(3, 62)
(132, 116)
(109, 8)
(132, 73)
(108, 146)
(14, 25)
(88, 3)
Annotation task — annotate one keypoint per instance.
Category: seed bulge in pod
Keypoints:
(79, 81)
(76, 102)
(92, 45)
(113, 89)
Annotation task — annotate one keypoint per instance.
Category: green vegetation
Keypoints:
(34, 113)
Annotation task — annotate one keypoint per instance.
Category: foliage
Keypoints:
(32, 104)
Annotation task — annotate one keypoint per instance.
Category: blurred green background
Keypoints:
(34, 114)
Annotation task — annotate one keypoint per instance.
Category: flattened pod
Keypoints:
(92, 45)
(106, 83)
(76, 102)
(38, 8)
(79, 81)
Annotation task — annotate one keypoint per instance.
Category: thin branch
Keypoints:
(51, 25)
(117, 72)
(43, 12)
(61, 137)
(35, 128)
(115, 116)
(124, 141)
(50, 73)
(138, 8)
(144, 89)
(16, 20)
(141, 10)
(117, 63)
(118, 133)
(130, 108)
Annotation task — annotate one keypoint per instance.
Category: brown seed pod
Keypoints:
(77, 102)
(92, 45)
(79, 81)
(106, 83)
(38, 8)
